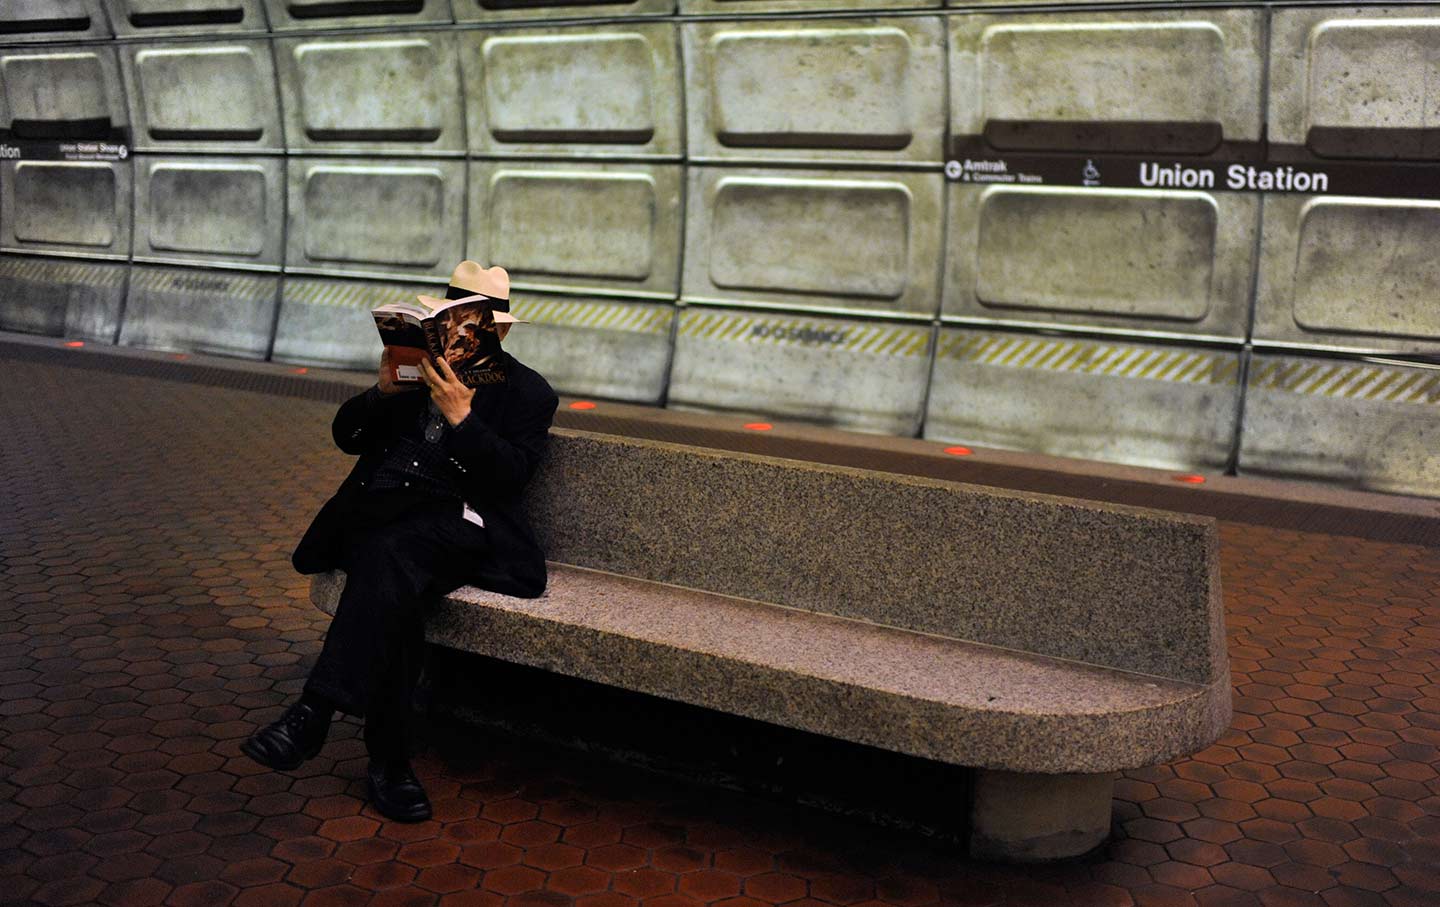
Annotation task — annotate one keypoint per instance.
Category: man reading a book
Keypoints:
(432, 503)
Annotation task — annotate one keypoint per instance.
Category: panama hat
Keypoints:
(470, 279)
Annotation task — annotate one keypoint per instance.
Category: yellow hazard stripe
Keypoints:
(1348, 380)
(49, 270)
(1092, 357)
(181, 281)
(333, 294)
(870, 338)
(629, 317)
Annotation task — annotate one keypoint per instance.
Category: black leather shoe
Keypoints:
(295, 737)
(396, 792)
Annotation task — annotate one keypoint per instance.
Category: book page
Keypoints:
(404, 337)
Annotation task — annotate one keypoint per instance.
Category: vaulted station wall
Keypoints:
(744, 205)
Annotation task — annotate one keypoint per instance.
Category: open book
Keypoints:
(462, 331)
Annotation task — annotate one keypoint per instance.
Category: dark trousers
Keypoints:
(398, 554)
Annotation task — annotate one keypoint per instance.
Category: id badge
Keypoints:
(473, 517)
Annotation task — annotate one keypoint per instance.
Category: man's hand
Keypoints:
(387, 382)
(449, 393)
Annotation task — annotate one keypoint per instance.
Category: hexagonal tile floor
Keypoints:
(150, 620)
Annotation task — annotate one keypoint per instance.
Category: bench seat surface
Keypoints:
(931, 696)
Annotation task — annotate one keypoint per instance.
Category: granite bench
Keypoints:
(1042, 642)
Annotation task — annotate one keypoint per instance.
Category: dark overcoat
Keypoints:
(495, 449)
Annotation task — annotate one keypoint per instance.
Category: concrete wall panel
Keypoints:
(620, 232)
(203, 97)
(296, 15)
(1350, 273)
(74, 208)
(618, 349)
(1166, 82)
(824, 90)
(23, 21)
(327, 322)
(1142, 259)
(216, 210)
(224, 312)
(61, 297)
(61, 93)
(1356, 82)
(1371, 425)
(862, 375)
(590, 91)
(181, 17)
(521, 10)
(858, 241)
(1122, 402)
(377, 94)
(376, 218)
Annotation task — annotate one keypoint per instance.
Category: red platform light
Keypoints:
(182, 356)
(1190, 480)
(758, 426)
(75, 343)
(959, 451)
(301, 371)
(582, 404)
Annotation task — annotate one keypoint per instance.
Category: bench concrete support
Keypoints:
(1023, 817)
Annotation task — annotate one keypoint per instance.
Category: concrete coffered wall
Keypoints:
(741, 205)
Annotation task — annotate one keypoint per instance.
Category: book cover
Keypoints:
(461, 331)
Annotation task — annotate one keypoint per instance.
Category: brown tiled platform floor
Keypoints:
(150, 620)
